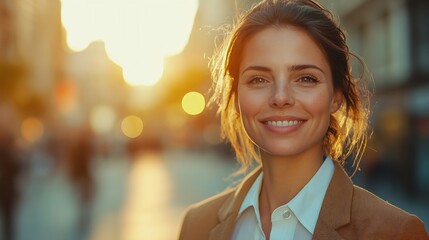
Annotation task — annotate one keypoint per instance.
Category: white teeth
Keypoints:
(283, 123)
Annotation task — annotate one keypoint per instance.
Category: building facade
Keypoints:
(392, 37)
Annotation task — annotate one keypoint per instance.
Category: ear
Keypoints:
(337, 101)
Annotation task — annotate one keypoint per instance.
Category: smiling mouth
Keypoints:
(283, 123)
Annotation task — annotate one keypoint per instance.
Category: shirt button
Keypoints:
(286, 214)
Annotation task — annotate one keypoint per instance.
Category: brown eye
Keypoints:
(308, 79)
(258, 81)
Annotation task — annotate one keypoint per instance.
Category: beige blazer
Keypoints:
(348, 212)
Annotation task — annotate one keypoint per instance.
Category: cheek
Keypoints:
(248, 103)
(248, 107)
(320, 105)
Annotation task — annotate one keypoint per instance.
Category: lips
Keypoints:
(284, 123)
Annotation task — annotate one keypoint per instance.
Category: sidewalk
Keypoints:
(140, 199)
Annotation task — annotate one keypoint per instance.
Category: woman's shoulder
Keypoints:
(365, 201)
(371, 212)
(201, 217)
(211, 205)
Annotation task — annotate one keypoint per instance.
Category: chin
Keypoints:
(282, 152)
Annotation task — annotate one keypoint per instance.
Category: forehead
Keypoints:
(285, 46)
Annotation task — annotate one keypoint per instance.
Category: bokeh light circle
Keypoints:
(193, 103)
(132, 126)
(32, 129)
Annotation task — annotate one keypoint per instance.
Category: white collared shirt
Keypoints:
(294, 220)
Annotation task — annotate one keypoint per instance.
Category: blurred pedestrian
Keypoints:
(9, 170)
(80, 170)
(287, 99)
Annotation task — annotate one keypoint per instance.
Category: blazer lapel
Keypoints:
(336, 207)
(335, 211)
(227, 214)
(326, 232)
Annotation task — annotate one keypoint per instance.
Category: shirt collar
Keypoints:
(306, 204)
(252, 197)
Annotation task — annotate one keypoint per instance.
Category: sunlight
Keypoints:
(32, 129)
(149, 75)
(138, 35)
(132, 126)
(147, 213)
(102, 119)
(193, 103)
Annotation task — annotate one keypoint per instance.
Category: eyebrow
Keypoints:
(292, 68)
(304, 66)
(256, 68)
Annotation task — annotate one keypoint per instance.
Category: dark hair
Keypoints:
(348, 126)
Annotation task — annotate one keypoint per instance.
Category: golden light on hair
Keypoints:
(132, 126)
(193, 103)
(32, 129)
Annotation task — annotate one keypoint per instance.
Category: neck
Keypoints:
(285, 177)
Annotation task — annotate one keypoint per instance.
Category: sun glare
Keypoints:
(138, 35)
(102, 119)
(193, 103)
(132, 126)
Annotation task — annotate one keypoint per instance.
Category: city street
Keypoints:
(139, 199)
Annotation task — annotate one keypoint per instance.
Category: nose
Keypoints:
(282, 96)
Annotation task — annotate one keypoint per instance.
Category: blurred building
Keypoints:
(393, 39)
(31, 48)
(42, 78)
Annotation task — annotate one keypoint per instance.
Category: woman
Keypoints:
(288, 100)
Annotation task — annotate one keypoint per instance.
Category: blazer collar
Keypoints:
(336, 207)
(335, 211)
(227, 214)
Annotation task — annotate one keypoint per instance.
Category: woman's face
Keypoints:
(285, 93)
